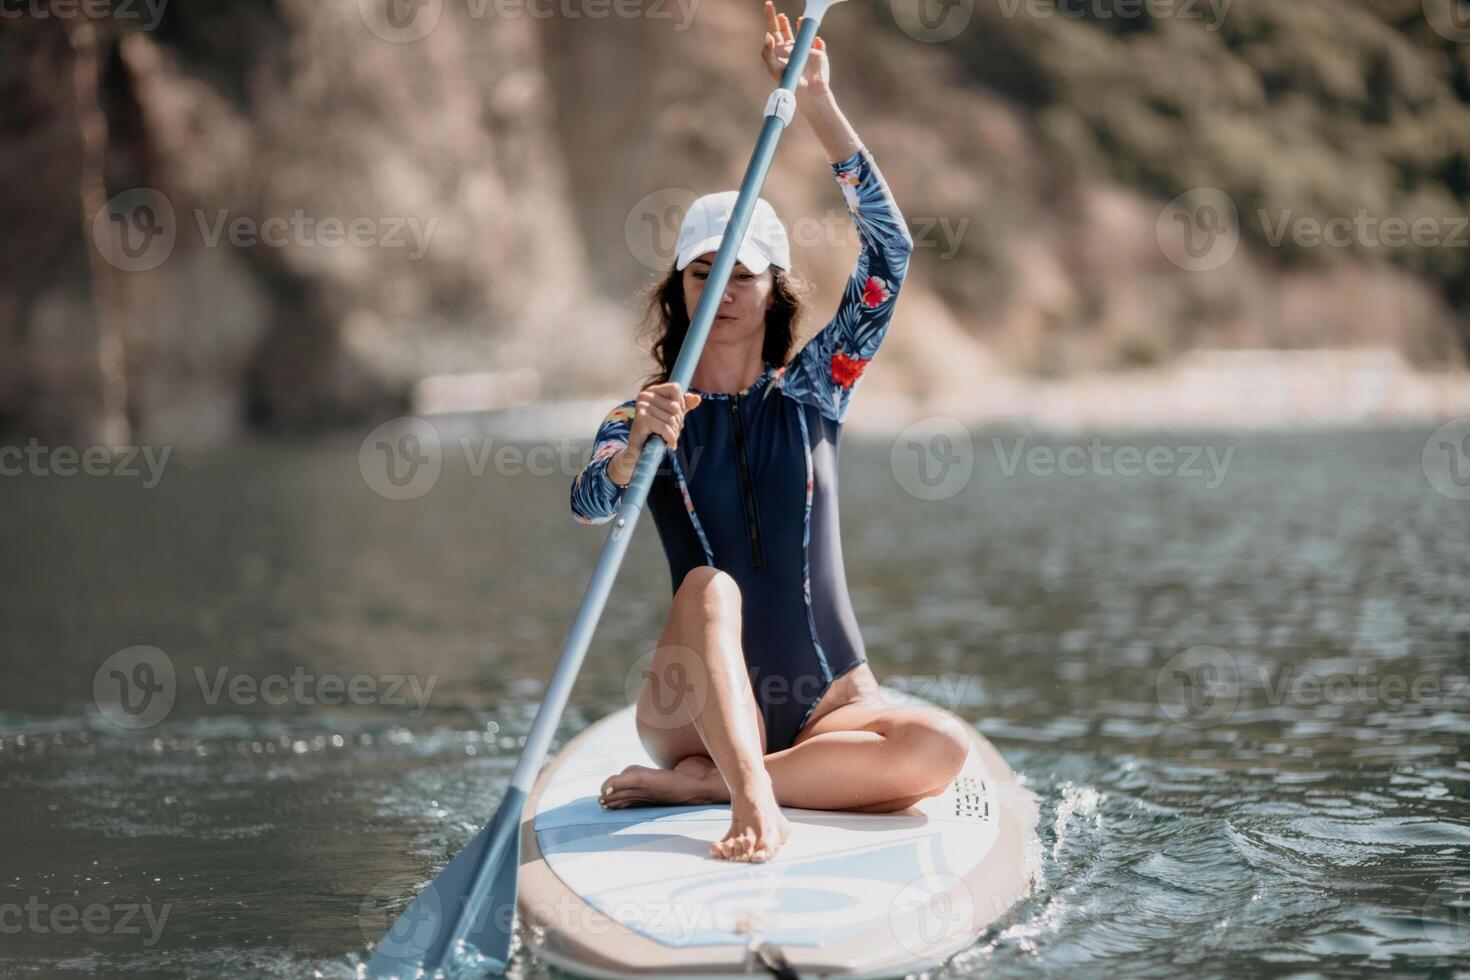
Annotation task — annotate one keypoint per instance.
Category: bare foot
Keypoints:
(693, 781)
(757, 827)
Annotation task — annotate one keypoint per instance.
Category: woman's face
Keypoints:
(742, 310)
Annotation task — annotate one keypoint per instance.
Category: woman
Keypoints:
(760, 694)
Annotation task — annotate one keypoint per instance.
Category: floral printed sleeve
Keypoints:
(595, 497)
(824, 372)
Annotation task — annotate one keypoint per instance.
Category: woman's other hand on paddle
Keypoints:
(780, 39)
(660, 411)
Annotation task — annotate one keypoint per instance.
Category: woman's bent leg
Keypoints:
(860, 757)
(870, 758)
(704, 623)
(701, 681)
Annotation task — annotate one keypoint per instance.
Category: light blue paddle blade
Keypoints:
(495, 924)
(420, 940)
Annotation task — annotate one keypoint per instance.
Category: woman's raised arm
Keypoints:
(825, 371)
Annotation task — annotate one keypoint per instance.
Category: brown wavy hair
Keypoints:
(668, 319)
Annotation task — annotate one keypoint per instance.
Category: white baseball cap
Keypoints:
(703, 229)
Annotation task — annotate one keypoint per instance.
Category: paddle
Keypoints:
(468, 910)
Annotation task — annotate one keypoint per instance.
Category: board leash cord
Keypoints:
(774, 960)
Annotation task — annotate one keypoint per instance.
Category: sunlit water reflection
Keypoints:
(1307, 810)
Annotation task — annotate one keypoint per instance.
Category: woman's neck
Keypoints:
(729, 373)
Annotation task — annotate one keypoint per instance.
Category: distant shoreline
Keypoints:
(1263, 390)
(1247, 389)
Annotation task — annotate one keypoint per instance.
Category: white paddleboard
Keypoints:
(633, 892)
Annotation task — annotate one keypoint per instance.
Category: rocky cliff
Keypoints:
(280, 214)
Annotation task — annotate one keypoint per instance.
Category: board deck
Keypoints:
(633, 892)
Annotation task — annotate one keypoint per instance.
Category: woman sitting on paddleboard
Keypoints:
(760, 693)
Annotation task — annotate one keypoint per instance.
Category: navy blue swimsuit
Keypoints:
(752, 487)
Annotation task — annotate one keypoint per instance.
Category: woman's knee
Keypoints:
(933, 745)
(707, 593)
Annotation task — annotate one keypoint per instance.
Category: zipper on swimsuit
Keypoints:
(747, 494)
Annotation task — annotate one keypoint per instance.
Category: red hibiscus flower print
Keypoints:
(846, 370)
(875, 292)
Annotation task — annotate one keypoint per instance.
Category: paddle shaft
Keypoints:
(654, 449)
(548, 716)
